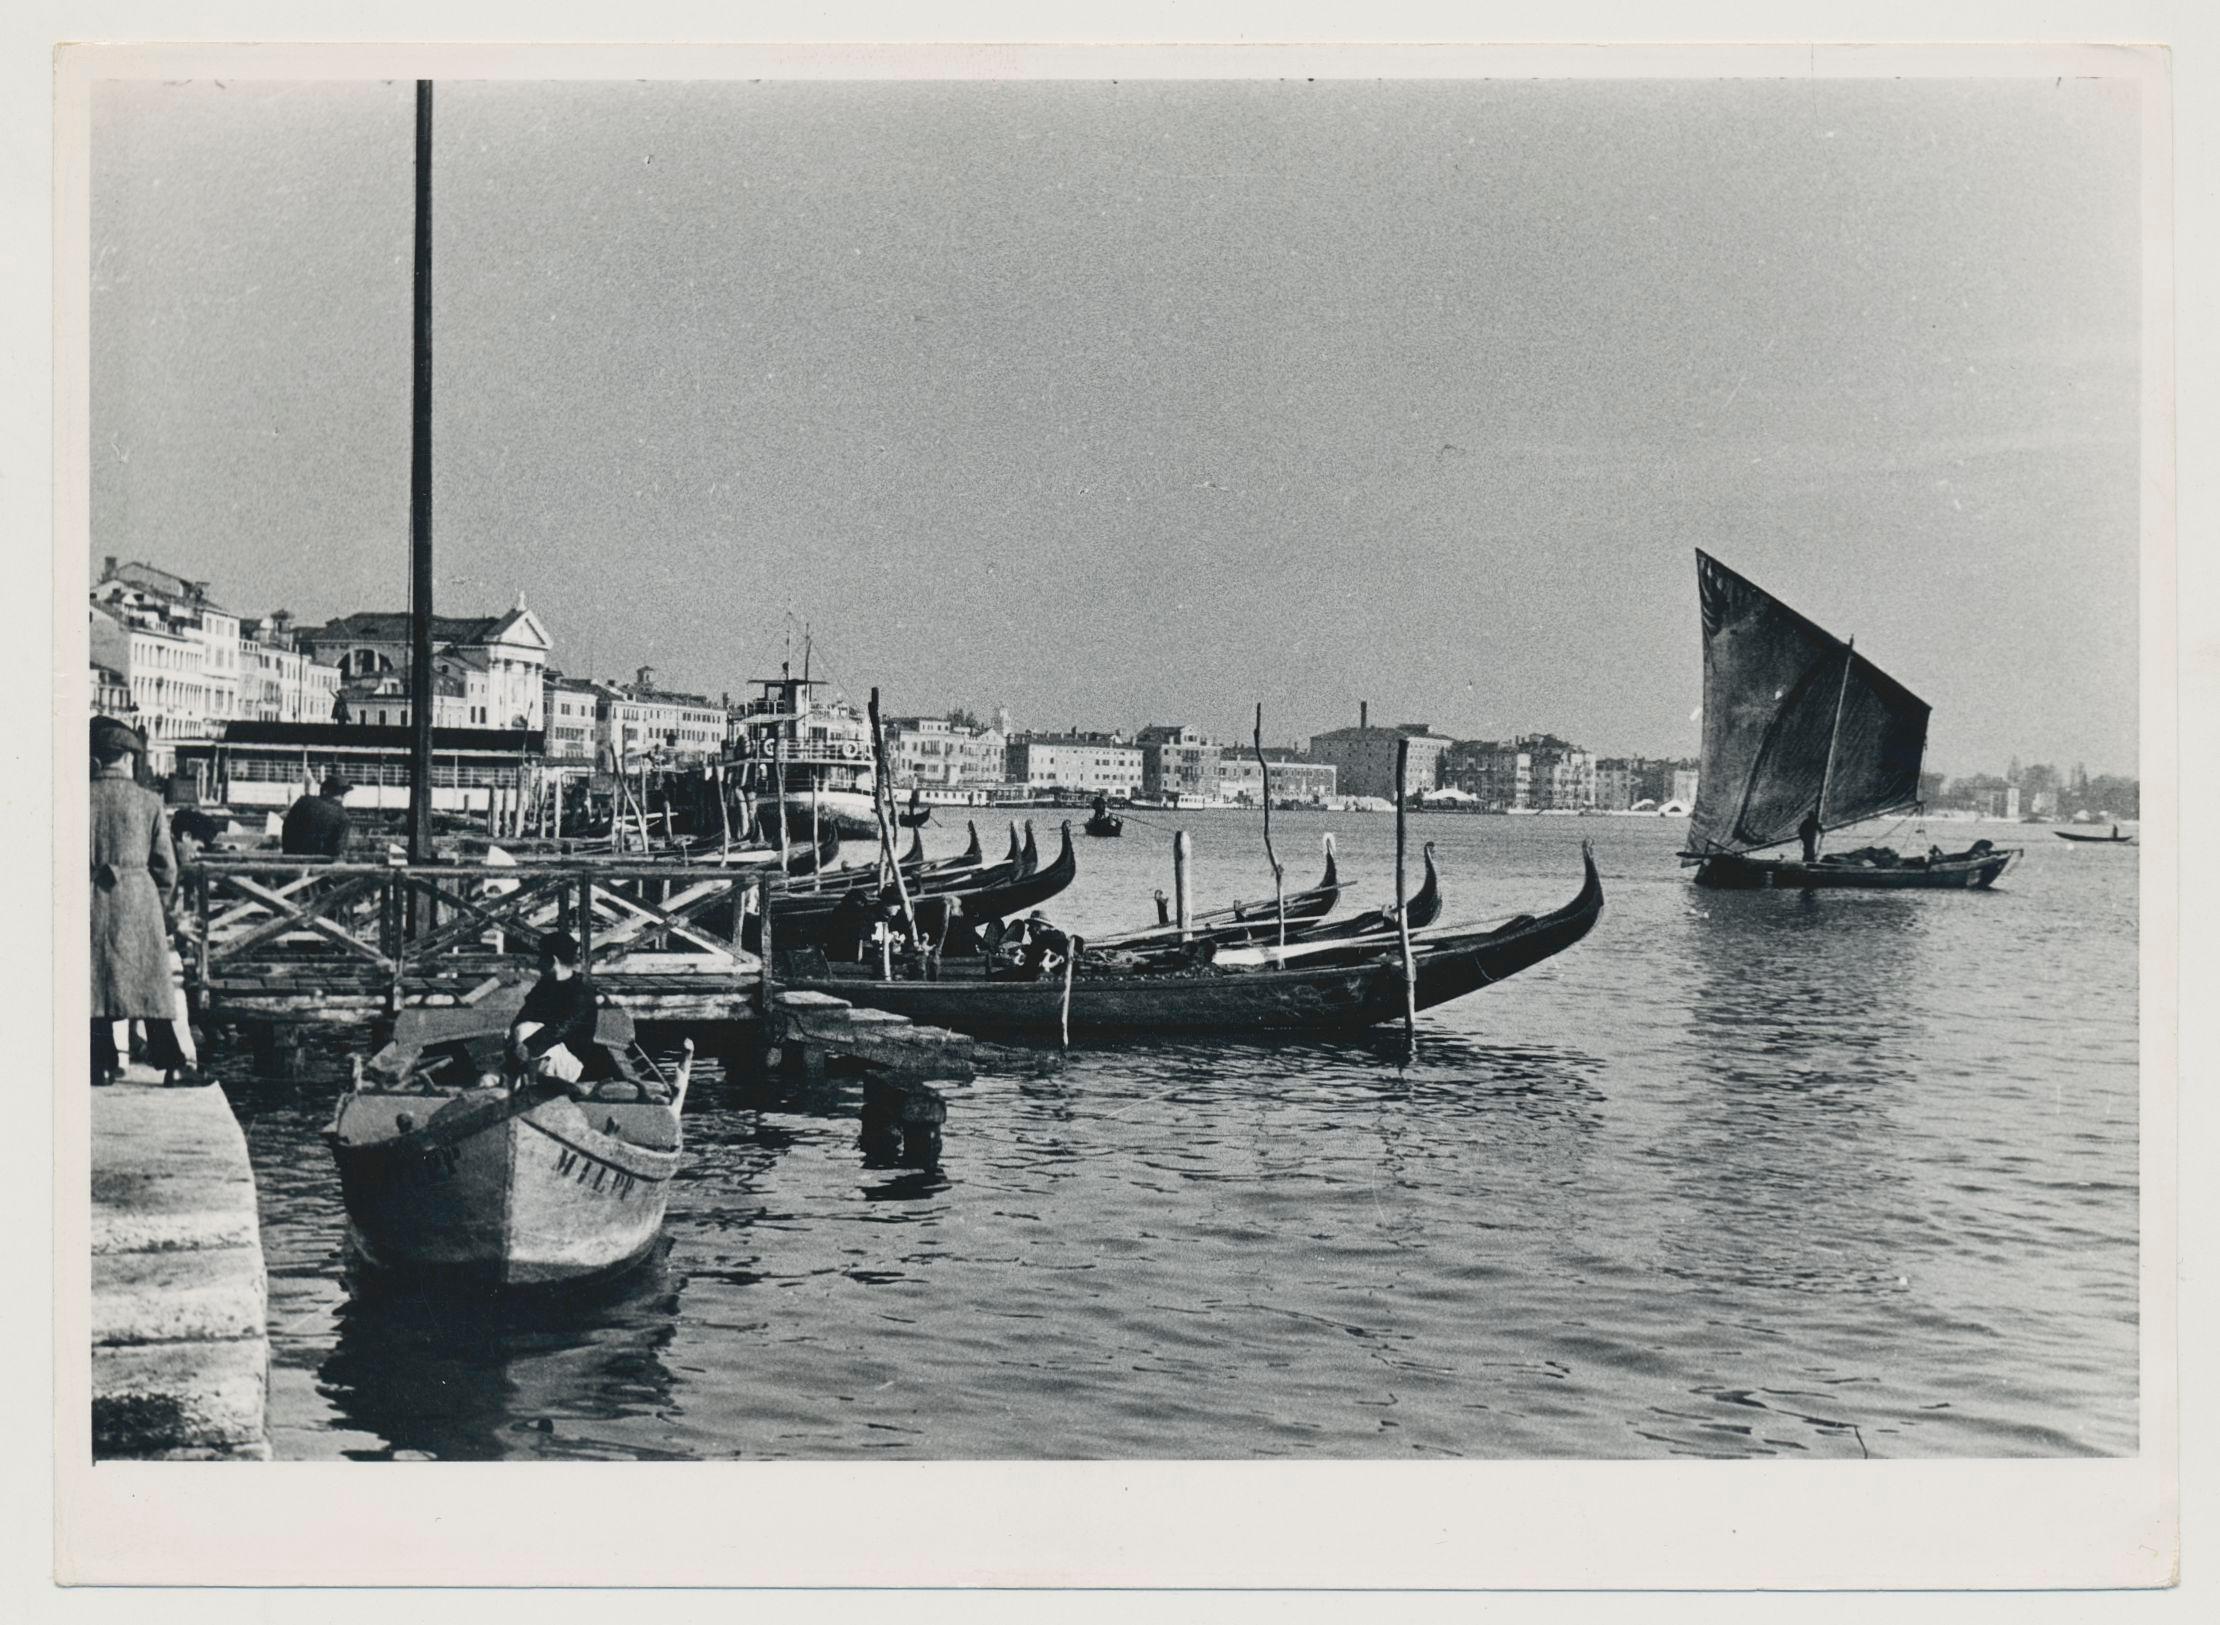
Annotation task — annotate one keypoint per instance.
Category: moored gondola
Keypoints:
(1361, 986)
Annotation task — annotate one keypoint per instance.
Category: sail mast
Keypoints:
(422, 700)
(1827, 769)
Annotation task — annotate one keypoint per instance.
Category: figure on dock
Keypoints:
(134, 874)
(316, 826)
(554, 1028)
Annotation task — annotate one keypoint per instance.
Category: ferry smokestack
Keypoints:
(1364, 713)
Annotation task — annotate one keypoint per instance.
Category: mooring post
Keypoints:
(1183, 896)
(1279, 875)
(1402, 893)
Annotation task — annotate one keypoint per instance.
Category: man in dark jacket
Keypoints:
(553, 1032)
(316, 826)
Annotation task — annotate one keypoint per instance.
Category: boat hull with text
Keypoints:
(503, 1189)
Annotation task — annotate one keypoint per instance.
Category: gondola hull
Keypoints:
(1789, 874)
(2094, 840)
(1341, 998)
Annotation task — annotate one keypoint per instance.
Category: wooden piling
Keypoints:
(765, 994)
(1183, 899)
(882, 800)
(1402, 891)
(1279, 875)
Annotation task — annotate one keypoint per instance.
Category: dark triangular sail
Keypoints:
(1779, 691)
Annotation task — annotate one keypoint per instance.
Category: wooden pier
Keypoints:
(336, 942)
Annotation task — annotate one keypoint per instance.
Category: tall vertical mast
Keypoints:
(421, 698)
(1827, 771)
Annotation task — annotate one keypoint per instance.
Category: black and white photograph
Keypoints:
(1129, 764)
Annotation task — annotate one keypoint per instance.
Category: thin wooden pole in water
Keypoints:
(1279, 875)
(1182, 854)
(882, 803)
(778, 793)
(1402, 892)
(816, 836)
(1071, 958)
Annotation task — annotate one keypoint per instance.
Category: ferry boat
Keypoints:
(807, 758)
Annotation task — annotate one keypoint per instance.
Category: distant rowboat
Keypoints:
(2113, 839)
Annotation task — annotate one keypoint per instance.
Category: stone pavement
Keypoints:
(180, 1345)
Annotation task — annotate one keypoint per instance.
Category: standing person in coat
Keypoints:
(134, 871)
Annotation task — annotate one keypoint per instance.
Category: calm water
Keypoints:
(1740, 1175)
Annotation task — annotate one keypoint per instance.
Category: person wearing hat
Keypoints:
(316, 826)
(554, 1028)
(134, 873)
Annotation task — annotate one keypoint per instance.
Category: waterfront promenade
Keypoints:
(180, 1345)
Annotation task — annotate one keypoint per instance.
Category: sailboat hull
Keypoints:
(1789, 874)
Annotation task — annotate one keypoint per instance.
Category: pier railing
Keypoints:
(305, 938)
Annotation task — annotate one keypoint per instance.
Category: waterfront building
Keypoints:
(498, 663)
(1095, 763)
(635, 718)
(930, 753)
(1684, 785)
(1498, 775)
(1177, 763)
(1561, 776)
(180, 657)
(278, 681)
(1295, 777)
(569, 705)
(1363, 757)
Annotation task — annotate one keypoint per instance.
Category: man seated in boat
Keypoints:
(553, 1032)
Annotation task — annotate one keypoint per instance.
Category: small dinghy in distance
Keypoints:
(451, 1183)
(2114, 839)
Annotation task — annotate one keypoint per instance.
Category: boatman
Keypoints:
(316, 826)
(1808, 833)
(554, 1028)
(134, 873)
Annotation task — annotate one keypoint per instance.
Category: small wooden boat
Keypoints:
(1103, 823)
(2113, 839)
(1803, 735)
(917, 814)
(450, 1181)
(1358, 984)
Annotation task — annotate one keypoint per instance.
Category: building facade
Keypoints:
(1363, 757)
(1295, 778)
(935, 753)
(638, 718)
(181, 654)
(1094, 763)
(498, 661)
(1178, 764)
(569, 705)
(1497, 774)
(278, 681)
(1562, 776)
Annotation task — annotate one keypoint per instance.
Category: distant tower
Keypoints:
(1002, 719)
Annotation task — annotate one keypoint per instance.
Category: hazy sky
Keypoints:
(1134, 402)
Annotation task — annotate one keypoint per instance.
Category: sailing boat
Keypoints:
(1800, 728)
